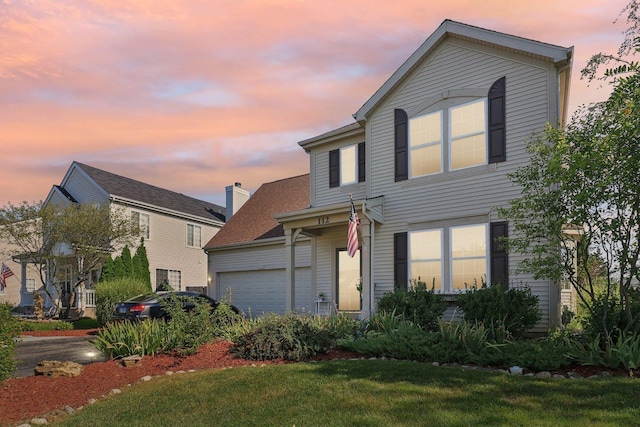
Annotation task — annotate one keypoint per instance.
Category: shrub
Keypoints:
(515, 309)
(608, 318)
(418, 305)
(622, 351)
(289, 337)
(48, 325)
(122, 339)
(9, 330)
(406, 341)
(111, 292)
(188, 330)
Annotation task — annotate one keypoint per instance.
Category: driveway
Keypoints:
(32, 350)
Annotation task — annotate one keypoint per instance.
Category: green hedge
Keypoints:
(113, 291)
(9, 330)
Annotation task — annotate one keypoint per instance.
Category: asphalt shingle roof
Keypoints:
(255, 219)
(128, 188)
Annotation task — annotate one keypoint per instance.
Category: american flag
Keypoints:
(4, 273)
(352, 238)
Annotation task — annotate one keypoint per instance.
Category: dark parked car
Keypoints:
(152, 306)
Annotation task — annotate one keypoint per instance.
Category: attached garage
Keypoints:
(264, 291)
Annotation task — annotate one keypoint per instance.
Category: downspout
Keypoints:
(372, 284)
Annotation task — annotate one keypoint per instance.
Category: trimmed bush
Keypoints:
(289, 337)
(113, 291)
(516, 309)
(9, 330)
(418, 305)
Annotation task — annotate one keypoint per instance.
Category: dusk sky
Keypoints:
(194, 95)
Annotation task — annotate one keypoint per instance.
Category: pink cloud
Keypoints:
(138, 87)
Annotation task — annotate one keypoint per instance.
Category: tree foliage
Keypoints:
(53, 236)
(580, 198)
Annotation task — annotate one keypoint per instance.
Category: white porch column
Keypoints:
(25, 298)
(366, 250)
(290, 247)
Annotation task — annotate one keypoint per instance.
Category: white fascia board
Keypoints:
(335, 135)
(273, 241)
(171, 212)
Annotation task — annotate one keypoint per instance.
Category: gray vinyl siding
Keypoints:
(84, 189)
(467, 192)
(323, 195)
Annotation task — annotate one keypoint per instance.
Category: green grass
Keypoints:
(365, 393)
(86, 323)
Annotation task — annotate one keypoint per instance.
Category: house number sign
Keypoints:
(323, 220)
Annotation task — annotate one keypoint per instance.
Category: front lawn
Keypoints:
(365, 392)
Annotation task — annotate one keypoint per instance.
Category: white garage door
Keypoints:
(264, 291)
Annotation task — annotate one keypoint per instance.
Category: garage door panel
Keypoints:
(264, 291)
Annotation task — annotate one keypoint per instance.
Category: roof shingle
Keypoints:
(128, 188)
(255, 219)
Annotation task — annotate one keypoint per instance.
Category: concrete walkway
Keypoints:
(32, 350)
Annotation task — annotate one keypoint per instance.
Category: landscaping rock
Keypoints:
(131, 360)
(55, 368)
(543, 374)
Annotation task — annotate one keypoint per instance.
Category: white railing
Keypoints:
(89, 298)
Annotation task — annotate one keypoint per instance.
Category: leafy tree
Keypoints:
(52, 236)
(108, 270)
(580, 197)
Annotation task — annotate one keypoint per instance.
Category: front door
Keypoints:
(348, 281)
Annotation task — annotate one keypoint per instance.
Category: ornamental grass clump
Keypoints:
(128, 338)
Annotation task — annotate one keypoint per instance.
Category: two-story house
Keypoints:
(426, 162)
(174, 226)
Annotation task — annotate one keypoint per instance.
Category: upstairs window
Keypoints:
(451, 137)
(141, 220)
(347, 165)
(194, 233)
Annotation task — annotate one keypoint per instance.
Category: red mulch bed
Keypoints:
(22, 399)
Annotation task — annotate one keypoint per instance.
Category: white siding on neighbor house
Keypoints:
(167, 248)
(13, 292)
(235, 267)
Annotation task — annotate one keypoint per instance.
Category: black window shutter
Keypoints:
(400, 261)
(361, 162)
(334, 168)
(497, 122)
(401, 145)
(499, 255)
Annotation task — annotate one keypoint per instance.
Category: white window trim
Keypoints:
(446, 261)
(444, 105)
(485, 132)
(354, 166)
(193, 235)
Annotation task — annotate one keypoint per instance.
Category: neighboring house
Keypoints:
(247, 257)
(18, 292)
(174, 226)
(427, 162)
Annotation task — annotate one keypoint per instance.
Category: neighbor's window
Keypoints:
(465, 143)
(348, 165)
(171, 277)
(449, 259)
(141, 220)
(194, 233)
